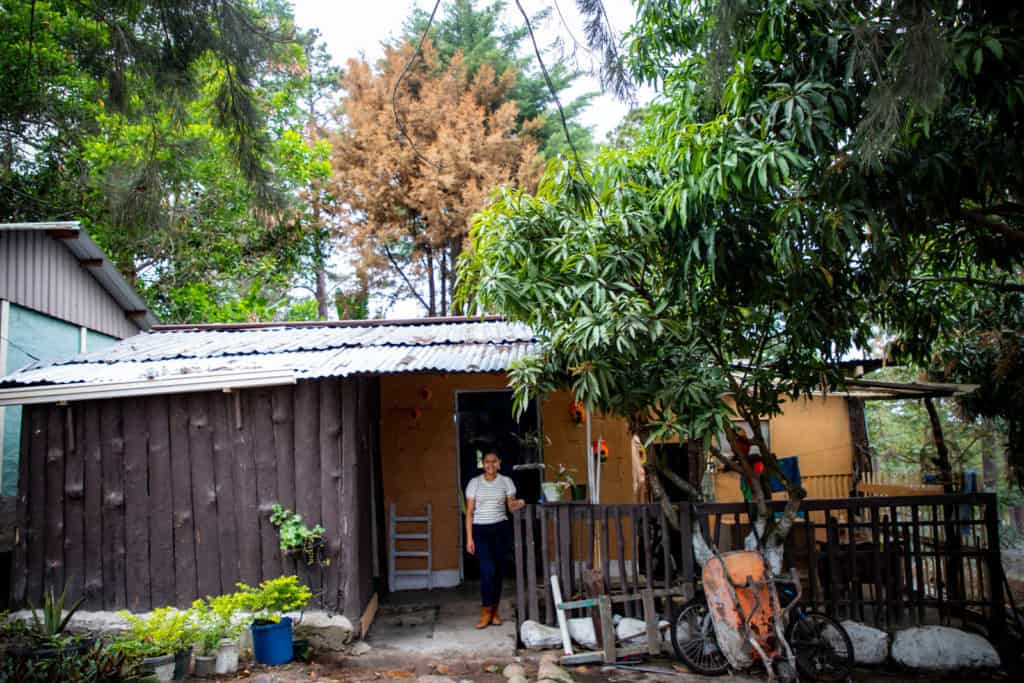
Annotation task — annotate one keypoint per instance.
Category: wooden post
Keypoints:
(995, 569)
(604, 606)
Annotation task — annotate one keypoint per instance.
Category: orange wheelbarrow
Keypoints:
(748, 619)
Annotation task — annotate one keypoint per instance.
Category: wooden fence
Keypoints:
(889, 561)
(143, 502)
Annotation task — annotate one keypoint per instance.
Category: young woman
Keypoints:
(488, 496)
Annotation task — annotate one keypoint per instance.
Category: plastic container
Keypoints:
(182, 664)
(206, 666)
(162, 667)
(227, 657)
(272, 643)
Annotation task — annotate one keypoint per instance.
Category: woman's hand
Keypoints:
(470, 546)
(516, 504)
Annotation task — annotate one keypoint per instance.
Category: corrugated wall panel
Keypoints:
(38, 272)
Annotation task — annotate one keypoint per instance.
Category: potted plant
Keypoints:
(208, 637)
(47, 636)
(162, 641)
(297, 538)
(219, 628)
(271, 630)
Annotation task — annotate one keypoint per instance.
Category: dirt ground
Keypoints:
(427, 670)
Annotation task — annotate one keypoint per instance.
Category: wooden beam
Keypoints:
(132, 315)
(61, 234)
(91, 263)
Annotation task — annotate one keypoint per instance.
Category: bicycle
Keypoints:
(822, 647)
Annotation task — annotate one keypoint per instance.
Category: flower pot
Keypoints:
(579, 492)
(162, 667)
(272, 643)
(206, 666)
(552, 491)
(227, 657)
(300, 650)
(182, 660)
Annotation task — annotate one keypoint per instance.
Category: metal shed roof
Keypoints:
(92, 258)
(310, 351)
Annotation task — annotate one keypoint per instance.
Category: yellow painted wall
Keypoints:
(818, 431)
(418, 450)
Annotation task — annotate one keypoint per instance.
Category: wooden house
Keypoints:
(149, 468)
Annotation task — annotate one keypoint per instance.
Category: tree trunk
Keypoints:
(859, 438)
(444, 284)
(989, 462)
(941, 451)
(431, 284)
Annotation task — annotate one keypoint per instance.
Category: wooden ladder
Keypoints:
(425, 554)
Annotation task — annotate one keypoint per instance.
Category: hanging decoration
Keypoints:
(577, 412)
(600, 449)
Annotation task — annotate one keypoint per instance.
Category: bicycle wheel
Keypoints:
(821, 646)
(693, 639)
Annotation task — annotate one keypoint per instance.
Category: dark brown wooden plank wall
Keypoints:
(225, 489)
(247, 511)
(142, 502)
(74, 508)
(114, 550)
(36, 526)
(330, 482)
(160, 502)
(53, 574)
(306, 432)
(89, 415)
(185, 571)
(204, 494)
(136, 507)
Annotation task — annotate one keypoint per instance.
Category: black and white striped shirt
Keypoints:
(490, 497)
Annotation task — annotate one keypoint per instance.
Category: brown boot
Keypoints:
(485, 617)
(495, 619)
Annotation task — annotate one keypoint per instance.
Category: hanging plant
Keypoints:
(296, 537)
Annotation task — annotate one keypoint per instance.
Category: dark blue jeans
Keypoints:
(491, 546)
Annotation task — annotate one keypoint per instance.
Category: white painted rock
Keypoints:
(870, 645)
(325, 632)
(537, 636)
(582, 632)
(513, 670)
(633, 631)
(553, 672)
(940, 648)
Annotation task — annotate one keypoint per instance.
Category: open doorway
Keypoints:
(486, 422)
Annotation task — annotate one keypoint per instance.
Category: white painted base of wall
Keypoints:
(442, 578)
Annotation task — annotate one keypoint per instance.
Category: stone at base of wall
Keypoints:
(325, 631)
(941, 648)
(870, 645)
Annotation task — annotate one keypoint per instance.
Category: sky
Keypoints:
(357, 28)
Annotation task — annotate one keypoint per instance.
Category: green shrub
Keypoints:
(274, 597)
(166, 631)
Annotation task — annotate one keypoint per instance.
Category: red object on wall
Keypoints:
(601, 448)
(577, 412)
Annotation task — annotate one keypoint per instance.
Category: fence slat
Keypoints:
(517, 528)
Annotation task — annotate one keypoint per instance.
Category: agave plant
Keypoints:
(54, 620)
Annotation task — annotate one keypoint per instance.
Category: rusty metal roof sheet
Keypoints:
(463, 345)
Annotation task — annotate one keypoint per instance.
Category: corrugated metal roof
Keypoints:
(311, 351)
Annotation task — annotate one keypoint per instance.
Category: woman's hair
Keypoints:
(494, 453)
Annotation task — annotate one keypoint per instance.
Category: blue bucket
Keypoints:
(272, 643)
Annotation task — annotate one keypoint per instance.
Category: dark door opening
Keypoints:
(485, 423)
